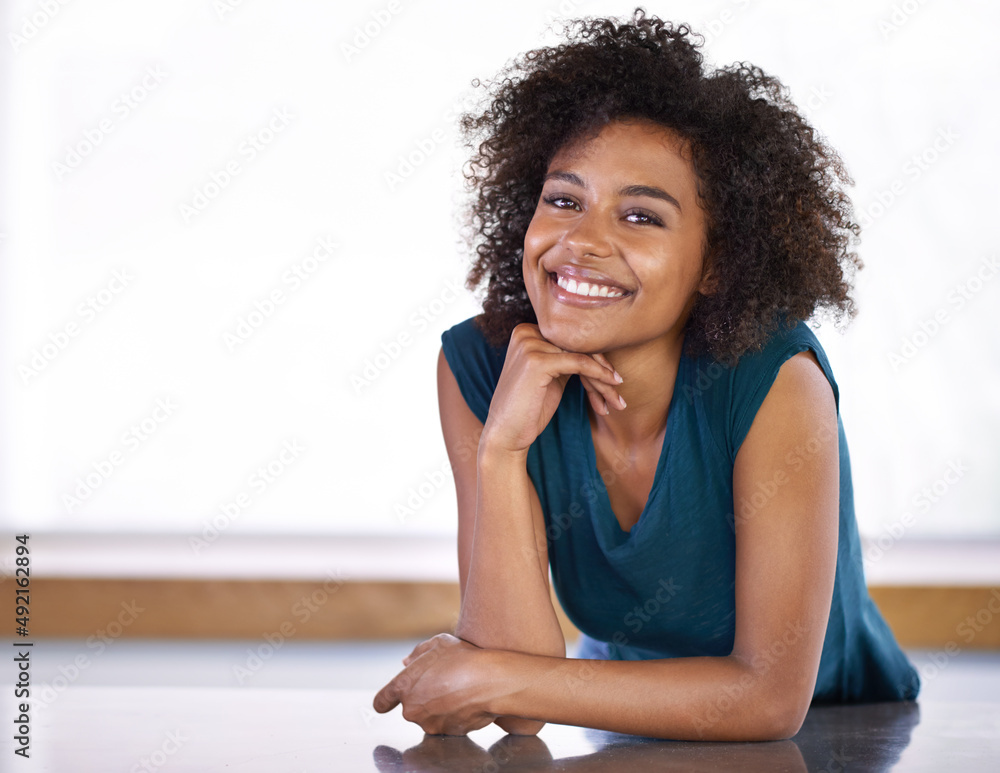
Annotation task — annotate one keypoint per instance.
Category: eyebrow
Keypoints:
(650, 191)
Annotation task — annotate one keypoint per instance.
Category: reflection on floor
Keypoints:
(271, 662)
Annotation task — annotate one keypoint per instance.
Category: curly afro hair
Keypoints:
(780, 226)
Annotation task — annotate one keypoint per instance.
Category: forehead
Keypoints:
(641, 151)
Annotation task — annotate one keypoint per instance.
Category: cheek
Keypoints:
(534, 238)
(669, 281)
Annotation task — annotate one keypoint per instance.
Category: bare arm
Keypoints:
(785, 563)
(502, 556)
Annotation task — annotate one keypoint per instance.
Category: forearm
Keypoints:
(704, 698)
(506, 603)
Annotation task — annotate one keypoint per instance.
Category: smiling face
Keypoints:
(613, 256)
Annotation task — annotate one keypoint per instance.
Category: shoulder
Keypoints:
(474, 362)
(731, 393)
(756, 369)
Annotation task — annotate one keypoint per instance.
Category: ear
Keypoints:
(709, 278)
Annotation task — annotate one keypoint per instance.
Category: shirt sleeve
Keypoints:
(755, 373)
(475, 364)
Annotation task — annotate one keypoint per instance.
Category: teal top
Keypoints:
(667, 587)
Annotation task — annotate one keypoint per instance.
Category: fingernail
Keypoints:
(618, 377)
(622, 401)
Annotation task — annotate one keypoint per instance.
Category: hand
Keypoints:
(433, 753)
(438, 753)
(440, 688)
(531, 385)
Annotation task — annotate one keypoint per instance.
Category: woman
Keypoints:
(653, 419)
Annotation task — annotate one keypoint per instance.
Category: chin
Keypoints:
(572, 338)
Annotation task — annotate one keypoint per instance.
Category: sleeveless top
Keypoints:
(667, 587)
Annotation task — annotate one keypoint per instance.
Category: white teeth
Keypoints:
(589, 289)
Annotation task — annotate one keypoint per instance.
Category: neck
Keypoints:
(649, 374)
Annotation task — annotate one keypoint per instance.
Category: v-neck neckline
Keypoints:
(608, 527)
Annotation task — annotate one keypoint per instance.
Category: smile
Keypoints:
(588, 289)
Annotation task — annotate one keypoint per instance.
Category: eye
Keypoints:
(560, 202)
(642, 217)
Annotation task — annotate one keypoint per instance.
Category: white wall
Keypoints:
(336, 115)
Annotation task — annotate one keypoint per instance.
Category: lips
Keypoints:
(577, 284)
(589, 289)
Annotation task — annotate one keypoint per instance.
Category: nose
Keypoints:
(589, 235)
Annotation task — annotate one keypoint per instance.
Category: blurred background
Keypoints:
(230, 244)
(230, 240)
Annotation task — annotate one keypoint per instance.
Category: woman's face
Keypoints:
(613, 255)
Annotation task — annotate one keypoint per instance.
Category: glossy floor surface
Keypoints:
(214, 729)
(303, 707)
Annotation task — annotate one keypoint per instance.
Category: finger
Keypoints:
(607, 364)
(387, 759)
(602, 396)
(597, 401)
(588, 365)
(387, 698)
(417, 651)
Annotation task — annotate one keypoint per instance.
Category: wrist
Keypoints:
(493, 453)
(512, 704)
(504, 680)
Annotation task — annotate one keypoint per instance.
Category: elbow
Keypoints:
(780, 727)
(468, 628)
(519, 725)
(779, 718)
(774, 705)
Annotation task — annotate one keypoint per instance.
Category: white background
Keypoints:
(884, 81)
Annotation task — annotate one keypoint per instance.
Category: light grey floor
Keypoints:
(965, 676)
